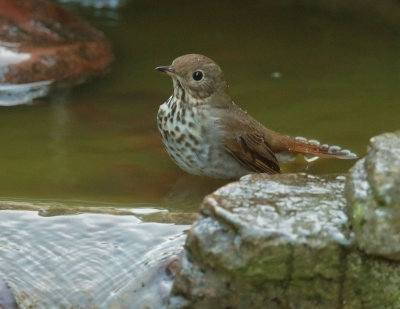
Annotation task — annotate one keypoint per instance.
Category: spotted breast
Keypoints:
(192, 138)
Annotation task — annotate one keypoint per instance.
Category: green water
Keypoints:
(98, 143)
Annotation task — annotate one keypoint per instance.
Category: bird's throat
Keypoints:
(179, 91)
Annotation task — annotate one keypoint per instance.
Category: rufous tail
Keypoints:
(313, 147)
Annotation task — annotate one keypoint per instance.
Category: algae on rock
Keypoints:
(373, 193)
(299, 241)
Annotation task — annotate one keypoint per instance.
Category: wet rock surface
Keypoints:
(286, 241)
(42, 43)
(373, 192)
(267, 242)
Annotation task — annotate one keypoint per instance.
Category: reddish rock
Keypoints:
(40, 41)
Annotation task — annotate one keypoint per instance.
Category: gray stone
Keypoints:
(382, 164)
(373, 193)
(370, 283)
(285, 241)
(267, 242)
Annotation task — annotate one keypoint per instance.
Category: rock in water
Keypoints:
(267, 242)
(285, 241)
(373, 192)
(41, 43)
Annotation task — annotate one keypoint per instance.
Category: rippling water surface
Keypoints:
(87, 260)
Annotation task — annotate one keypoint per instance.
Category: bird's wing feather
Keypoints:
(245, 140)
(253, 152)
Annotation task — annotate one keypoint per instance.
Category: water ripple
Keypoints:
(87, 260)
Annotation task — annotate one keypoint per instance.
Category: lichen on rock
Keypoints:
(299, 241)
(266, 241)
(373, 192)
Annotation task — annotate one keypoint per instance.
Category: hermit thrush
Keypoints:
(206, 133)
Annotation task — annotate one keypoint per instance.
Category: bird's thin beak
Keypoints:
(165, 69)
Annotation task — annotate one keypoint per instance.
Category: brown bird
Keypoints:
(206, 133)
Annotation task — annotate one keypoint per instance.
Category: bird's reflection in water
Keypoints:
(187, 193)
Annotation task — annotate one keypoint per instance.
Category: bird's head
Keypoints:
(195, 77)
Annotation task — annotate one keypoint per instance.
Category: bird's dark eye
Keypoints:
(198, 75)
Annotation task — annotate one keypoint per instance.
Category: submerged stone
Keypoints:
(41, 43)
(98, 4)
